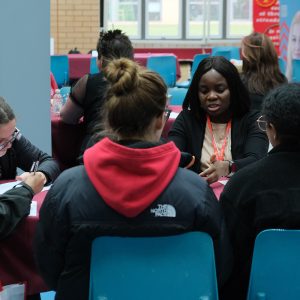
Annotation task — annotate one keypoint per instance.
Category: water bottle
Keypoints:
(57, 102)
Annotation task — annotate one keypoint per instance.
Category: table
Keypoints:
(183, 54)
(16, 254)
(79, 65)
(142, 58)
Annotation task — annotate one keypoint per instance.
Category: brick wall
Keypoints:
(74, 23)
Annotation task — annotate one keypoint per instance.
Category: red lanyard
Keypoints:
(219, 154)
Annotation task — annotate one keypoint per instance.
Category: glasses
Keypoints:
(167, 114)
(262, 123)
(11, 140)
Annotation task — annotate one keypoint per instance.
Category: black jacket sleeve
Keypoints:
(51, 237)
(27, 153)
(214, 224)
(14, 206)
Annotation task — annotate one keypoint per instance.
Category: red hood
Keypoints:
(130, 179)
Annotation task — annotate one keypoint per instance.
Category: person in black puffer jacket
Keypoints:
(130, 185)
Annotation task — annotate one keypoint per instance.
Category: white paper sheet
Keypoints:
(9, 185)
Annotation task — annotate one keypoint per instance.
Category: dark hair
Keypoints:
(74, 51)
(261, 71)
(6, 113)
(114, 44)
(281, 107)
(135, 96)
(239, 97)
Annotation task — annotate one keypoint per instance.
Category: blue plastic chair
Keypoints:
(93, 65)
(228, 52)
(59, 65)
(165, 66)
(196, 61)
(281, 63)
(275, 271)
(166, 267)
(177, 95)
(47, 295)
(296, 70)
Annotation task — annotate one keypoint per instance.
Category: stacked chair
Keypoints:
(165, 267)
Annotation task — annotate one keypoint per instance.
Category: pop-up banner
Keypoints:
(266, 19)
(289, 33)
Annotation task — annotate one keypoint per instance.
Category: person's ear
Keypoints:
(273, 131)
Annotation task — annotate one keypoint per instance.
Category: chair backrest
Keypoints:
(227, 52)
(296, 70)
(47, 295)
(281, 63)
(93, 65)
(59, 65)
(166, 267)
(275, 271)
(196, 61)
(177, 95)
(165, 66)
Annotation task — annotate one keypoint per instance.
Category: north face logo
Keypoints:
(164, 210)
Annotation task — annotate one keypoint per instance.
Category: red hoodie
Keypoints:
(130, 179)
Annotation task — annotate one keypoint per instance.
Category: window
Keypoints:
(180, 19)
(204, 18)
(239, 20)
(168, 25)
(154, 9)
(124, 14)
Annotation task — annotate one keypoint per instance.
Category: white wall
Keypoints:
(24, 66)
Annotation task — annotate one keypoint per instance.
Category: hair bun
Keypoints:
(123, 76)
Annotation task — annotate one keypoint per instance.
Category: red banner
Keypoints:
(266, 19)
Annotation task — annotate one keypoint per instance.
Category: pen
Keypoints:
(35, 166)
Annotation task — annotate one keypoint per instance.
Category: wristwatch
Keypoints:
(232, 168)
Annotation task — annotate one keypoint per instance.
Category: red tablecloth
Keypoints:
(16, 255)
(141, 58)
(79, 65)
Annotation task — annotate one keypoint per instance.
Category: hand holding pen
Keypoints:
(32, 171)
(34, 167)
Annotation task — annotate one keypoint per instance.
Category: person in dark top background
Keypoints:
(265, 194)
(87, 96)
(216, 124)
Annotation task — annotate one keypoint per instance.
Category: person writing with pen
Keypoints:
(17, 152)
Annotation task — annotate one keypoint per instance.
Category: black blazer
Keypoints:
(248, 142)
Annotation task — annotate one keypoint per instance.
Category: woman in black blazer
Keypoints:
(216, 125)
